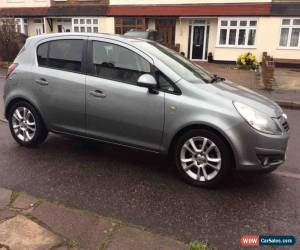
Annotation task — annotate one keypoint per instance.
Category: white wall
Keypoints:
(32, 27)
(182, 35)
(107, 25)
(24, 3)
(151, 24)
(267, 39)
(128, 2)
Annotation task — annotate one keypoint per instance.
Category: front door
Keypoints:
(167, 29)
(117, 109)
(198, 42)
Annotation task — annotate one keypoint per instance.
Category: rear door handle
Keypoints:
(97, 93)
(42, 82)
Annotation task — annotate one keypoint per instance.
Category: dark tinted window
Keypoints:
(61, 54)
(118, 63)
(66, 55)
(42, 54)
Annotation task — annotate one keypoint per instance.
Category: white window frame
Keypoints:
(237, 28)
(290, 27)
(85, 25)
(22, 22)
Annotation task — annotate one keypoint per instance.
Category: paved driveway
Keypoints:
(144, 189)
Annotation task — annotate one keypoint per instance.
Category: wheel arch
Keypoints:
(22, 99)
(202, 126)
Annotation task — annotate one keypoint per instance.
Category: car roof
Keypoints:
(78, 34)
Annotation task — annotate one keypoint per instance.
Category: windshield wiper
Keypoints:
(216, 78)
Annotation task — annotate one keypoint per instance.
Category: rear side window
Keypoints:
(61, 54)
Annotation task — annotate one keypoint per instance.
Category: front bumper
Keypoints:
(255, 151)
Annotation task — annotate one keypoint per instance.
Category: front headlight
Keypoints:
(257, 120)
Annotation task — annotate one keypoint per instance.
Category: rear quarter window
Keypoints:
(42, 52)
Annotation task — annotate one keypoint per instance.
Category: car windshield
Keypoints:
(186, 69)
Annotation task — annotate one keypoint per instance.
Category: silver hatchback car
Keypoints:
(137, 93)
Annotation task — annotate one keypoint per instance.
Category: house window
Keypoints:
(237, 32)
(85, 25)
(122, 25)
(290, 33)
(21, 25)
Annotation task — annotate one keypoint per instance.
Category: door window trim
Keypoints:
(153, 68)
(83, 56)
(89, 63)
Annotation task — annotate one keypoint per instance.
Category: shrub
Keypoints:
(247, 61)
(196, 245)
(10, 41)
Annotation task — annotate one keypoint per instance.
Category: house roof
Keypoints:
(285, 9)
(86, 10)
(258, 9)
(23, 12)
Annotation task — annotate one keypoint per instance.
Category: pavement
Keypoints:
(143, 189)
(29, 223)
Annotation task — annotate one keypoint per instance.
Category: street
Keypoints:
(144, 189)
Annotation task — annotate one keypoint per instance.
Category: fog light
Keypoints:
(266, 162)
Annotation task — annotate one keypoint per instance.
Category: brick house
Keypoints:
(197, 27)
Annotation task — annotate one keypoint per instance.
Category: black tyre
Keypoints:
(26, 125)
(202, 158)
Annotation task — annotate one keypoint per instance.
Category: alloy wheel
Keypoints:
(200, 159)
(23, 124)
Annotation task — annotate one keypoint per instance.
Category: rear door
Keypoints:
(116, 108)
(59, 79)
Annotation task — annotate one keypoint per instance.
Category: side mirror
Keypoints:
(147, 81)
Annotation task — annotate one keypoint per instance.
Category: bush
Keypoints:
(247, 61)
(196, 245)
(10, 41)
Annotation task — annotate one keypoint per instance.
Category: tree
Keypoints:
(10, 41)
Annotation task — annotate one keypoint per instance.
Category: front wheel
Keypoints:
(26, 125)
(202, 158)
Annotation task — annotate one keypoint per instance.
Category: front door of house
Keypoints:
(198, 43)
(167, 29)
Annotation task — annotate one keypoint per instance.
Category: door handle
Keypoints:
(42, 82)
(97, 93)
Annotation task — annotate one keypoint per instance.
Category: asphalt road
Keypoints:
(143, 189)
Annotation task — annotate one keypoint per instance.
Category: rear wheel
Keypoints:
(202, 158)
(26, 125)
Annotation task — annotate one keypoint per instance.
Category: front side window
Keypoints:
(290, 33)
(237, 32)
(114, 62)
(61, 54)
